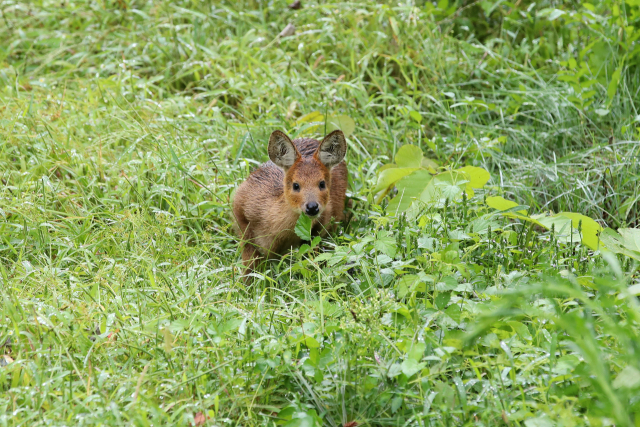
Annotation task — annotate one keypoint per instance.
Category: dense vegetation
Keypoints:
(506, 294)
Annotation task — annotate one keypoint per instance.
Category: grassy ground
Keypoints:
(125, 126)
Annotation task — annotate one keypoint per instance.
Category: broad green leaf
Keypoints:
(416, 116)
(286, 413)
(314, 116)
(303, 227)
(631, 238)
(502, 204)
(323, 257)
(563, 228)
(448, 283)
(416, 351)
(616, 243)
(385, 167)
(453, 311)
(409, 156)
(328, 309)
(310, 342)
(590, 228)
(428, 243)
(409, 283)
(629, 377)
(542, 421)
(521, 330)
(429, 165)
(396, 403)
(612, 240)
(388, 177)
(458, 234)
(481, 225)
(229, 325)
(442, 299)
(633, 290)
(447, 185)
(386, 243)
(411, 367)
(302, 419)
(344, 123)
(394, 370)
(478, 177)
(451, 255)
(409, 189)
(452, 189)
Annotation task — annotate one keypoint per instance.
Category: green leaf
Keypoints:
(442, 299)
(310, 342)
(542, 421)
(481, 224)
(301, 419)
(409, 283)
(323, 257)
(388, 177)
(448, 283)
(447, 185)
(430, 165)
(590, 228)
(629, 377)
(303, 227)
(612, 240)
(314, 116)
(409, 189)
(450, 189)
(502, 204)
(396, 403)
(229, 325)
(617, 244)
(394, 370)
(453, 311)
(631, 238)
(409, 156)
(562, 225)
(344, 123)
(310, 123)
(386, 243)
(326, 308)
(411, 367)
(478, 177)
(416, 116)
(521, 330)
(428, 243)
(416, 351)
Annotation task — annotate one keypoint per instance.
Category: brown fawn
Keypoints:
(304, 176)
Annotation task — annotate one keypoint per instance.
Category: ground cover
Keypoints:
(126, 125)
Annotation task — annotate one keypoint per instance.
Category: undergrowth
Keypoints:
(125, 126)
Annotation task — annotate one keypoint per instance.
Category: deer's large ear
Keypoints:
(282, 152)
(332, 149)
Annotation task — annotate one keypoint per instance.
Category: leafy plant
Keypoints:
(126, 125)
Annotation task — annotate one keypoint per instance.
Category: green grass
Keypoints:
(126, 125)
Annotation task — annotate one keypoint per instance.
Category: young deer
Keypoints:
(304, 176)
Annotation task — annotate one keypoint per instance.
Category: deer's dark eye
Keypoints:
(323, 185)
(296, 186)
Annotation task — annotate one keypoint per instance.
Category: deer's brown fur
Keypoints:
(267, 205)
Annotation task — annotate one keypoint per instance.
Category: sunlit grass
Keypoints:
(124, 129)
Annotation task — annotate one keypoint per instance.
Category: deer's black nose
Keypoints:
(312, 209)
